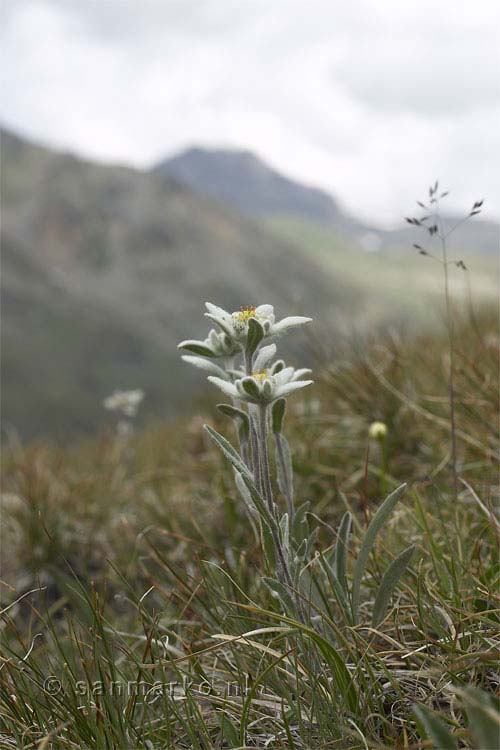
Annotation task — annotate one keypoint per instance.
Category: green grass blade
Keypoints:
(378, 521)
(389, 582)
(229, 733)
(341, 550)
(337, 589)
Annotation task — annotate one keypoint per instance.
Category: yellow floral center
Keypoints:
(260, 375)
(244, 315)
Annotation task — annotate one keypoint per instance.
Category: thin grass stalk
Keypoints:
(451, 375)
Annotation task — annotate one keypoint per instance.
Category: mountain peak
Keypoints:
(244, 181)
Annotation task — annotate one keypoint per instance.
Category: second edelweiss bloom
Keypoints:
(235, 324)
(126, 402)
(264, 386)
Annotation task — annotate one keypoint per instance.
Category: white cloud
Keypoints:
(369, 100)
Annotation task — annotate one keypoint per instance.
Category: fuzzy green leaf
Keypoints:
(254, 337)
(245, 493)
(373, 529)
(282, 593)
(284, 466)
(278, 414)
(341, 550)
(483, 713)
(259, 502)
(336, 587)
(240, 417)
(388, 583)
(284, 525)
(435, 728)
(229, 452)
(251, 387)
(197, 347)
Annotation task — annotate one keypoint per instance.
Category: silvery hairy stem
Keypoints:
(283, 570)
(245, 455)
(264, 453)
(253, 433)
(247, 460)
(287, 490)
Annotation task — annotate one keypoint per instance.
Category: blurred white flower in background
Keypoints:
(125, 402)
(377, 431)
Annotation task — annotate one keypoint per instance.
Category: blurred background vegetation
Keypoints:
(105, 269)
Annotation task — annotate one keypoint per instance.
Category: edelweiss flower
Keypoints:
(215, 345)
(235, 324)
(126, 402)
(263, 386)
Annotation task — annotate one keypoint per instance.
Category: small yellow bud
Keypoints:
(377, 431)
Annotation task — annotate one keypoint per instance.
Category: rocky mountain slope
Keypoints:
(243, 181)
(105, 269)
(246, 183)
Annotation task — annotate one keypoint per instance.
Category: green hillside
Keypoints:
(395, 283)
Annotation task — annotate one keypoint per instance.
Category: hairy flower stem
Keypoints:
(254, 443)
(287, 489)
(283, 570)
(264, 452)
(256, 458)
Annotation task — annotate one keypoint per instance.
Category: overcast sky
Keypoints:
(370, 99)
